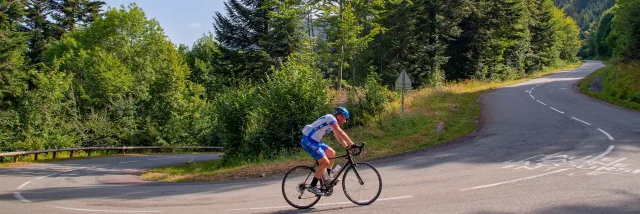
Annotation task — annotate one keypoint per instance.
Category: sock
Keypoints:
(314, 182)
(329, 172)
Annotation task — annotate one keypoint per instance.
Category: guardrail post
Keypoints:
(15, 158)
(89, 152)
(35, 156)
(71, 154)
(55, 154)
(123, 152)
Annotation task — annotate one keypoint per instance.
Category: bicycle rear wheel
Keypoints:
(293, 187)
(362, 184)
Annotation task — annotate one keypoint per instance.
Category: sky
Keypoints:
(183, 21)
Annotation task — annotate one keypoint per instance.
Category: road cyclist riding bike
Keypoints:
(302, 186)
(312, 143)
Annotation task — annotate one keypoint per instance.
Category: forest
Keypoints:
(75, 74)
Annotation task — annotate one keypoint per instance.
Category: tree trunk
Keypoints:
(341, 49)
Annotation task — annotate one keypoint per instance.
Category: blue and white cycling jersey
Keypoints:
(320, 127)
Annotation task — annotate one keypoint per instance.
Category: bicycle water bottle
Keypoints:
(335, 170)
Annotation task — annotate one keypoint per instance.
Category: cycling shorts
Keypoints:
(314, 148)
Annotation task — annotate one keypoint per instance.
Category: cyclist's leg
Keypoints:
(323, 163)
(330, 153)
(316, 150)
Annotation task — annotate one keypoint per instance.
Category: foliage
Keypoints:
(293, 96)
(367, 103)
(625, 34)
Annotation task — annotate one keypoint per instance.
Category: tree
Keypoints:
(567, 33)
(39, 28)
(344, 31)
(493, 42)
(625, 35)
(69, 13)
(12, 46)
(543, 37)
(130, 83)
(208, 66)
(437, 24)
(256, 34)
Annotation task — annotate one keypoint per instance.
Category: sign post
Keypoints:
(403, 83)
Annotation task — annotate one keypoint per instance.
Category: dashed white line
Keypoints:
(110, 211)
(581, 120)
(532, 97)
(512, 181)
(541, 102)
(159, 159)
(336, 203)
(47, 176)
(19, 197)
(557, 110)
(21, 186)
(129, 162)
(605, 133)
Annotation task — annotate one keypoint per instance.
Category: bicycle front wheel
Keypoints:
(293, 187)
(362, 184)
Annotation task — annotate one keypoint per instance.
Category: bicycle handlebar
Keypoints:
(357, 149)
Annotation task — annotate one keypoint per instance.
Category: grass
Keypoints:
(432, 116)
(620, 84)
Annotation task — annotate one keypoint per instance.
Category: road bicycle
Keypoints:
(361, 182)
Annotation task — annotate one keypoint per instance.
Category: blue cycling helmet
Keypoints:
(343, 111)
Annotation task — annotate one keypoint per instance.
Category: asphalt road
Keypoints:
(541, 148)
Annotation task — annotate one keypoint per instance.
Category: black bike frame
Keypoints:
(349, 163)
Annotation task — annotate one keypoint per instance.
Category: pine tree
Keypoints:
(40, 29)
(12, 46)
(257, 34)
(542, 35)
(346, 34)
(437, 24)
(492, 44)
(70, 13)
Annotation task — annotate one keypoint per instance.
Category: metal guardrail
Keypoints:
(89, 149)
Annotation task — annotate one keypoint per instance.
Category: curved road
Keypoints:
(541, 148)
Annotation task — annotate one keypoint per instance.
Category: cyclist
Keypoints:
(311, 142)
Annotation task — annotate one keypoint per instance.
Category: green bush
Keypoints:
(367, 103)
(293, 96)
(235, 113)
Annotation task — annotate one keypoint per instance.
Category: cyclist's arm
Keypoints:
(341, 136)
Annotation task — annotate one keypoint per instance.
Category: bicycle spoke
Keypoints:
(362, 184)
(293, 187)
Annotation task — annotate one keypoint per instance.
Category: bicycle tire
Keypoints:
(353, 188)
(293, 187)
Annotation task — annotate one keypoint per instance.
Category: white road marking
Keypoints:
(47, 176)
(532, 97)
(327, 204)
(159, 159)
(60, 173)
(19, 197)
(129, 162)
(607, 134)
(513, 181)
(557, 110)
(603, 154)
(581, 120)
(110, 211)
(20, 187)
(541, 102)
